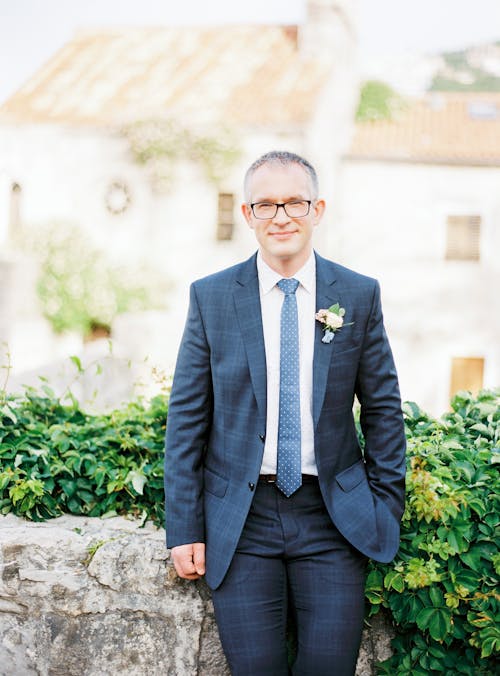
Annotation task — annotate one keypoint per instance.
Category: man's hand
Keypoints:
(189, 560)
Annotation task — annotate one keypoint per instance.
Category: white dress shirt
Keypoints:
(271, 300)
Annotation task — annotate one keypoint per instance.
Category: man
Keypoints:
(265, 480)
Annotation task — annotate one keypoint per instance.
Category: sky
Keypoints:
(388, 30)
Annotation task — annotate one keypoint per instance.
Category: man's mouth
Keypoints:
(283, 234)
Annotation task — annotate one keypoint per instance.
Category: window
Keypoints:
(466, 374)
(462, 238)
(225, 221)
(117, 197)
(15, 210)
(482, 110)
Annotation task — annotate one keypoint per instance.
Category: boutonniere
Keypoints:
(333, 320)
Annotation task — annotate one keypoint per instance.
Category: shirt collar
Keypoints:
(268, 278)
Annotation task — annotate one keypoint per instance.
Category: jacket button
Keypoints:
(262, 437)
(251, 486)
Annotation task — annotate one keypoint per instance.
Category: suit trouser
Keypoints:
(291, 559)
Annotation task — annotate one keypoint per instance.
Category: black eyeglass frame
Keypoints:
(278, 205)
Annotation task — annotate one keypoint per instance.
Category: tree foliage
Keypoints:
(80, 288)
(463, 72)
(377, 101)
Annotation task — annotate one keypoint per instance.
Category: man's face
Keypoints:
(285, 241)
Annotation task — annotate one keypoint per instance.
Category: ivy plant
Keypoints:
(440, 592)
(158, 144)
(55, 458)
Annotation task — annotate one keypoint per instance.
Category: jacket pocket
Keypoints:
(214, 483)
(350, 477)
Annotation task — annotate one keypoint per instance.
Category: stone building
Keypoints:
(413, 201)
(67, 147)
(419, 208)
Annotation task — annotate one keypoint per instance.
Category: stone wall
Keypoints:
(91, 597)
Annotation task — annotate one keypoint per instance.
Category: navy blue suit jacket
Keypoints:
(217, 416)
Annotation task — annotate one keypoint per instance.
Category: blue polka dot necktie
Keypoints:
(289, 477)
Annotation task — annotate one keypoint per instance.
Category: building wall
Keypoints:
(62, 176)
(391, 224)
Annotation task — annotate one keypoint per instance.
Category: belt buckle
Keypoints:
(269, 478)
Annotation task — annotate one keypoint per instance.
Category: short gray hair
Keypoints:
(283, 157)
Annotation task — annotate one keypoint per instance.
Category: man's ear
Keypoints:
(247, 213)
(318, 210)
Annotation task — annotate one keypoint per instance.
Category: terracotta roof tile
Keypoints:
(254, 74)
(462, 128)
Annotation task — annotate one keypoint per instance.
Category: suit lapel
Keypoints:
(326, 295)
(248, 311)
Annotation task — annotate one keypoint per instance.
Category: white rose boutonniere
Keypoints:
(333, 320)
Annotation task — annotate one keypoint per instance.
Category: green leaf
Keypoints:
(490, 641)
(436, 620)
(467, 470)
(437, 651)
(48, 391)
(86, 496)
(5, 479)
(481, 427)
(492, 519)
(452, 444)
(485, 529)
(69, 486)
(468, 579)
(472, 559)
(477, 504)
(411, 410)
(374, 580)
(138, 481)
(8, 412)
(436, 665)
(77, 362)
(436, 596)
(456, 541)
(394, 580)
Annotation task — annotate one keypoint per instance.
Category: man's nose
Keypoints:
(281, 215)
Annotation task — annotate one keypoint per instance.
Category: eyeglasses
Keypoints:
(293, 209)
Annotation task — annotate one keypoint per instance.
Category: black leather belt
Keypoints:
(271, 478)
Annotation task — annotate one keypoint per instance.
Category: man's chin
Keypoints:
(285, 251)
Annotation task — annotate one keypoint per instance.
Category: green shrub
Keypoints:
(80, 288)
(441, 589)
(55, 458)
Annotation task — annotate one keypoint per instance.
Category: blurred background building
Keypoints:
(128, 147)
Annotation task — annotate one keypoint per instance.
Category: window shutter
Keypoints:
(466, 374)
(462, 241)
